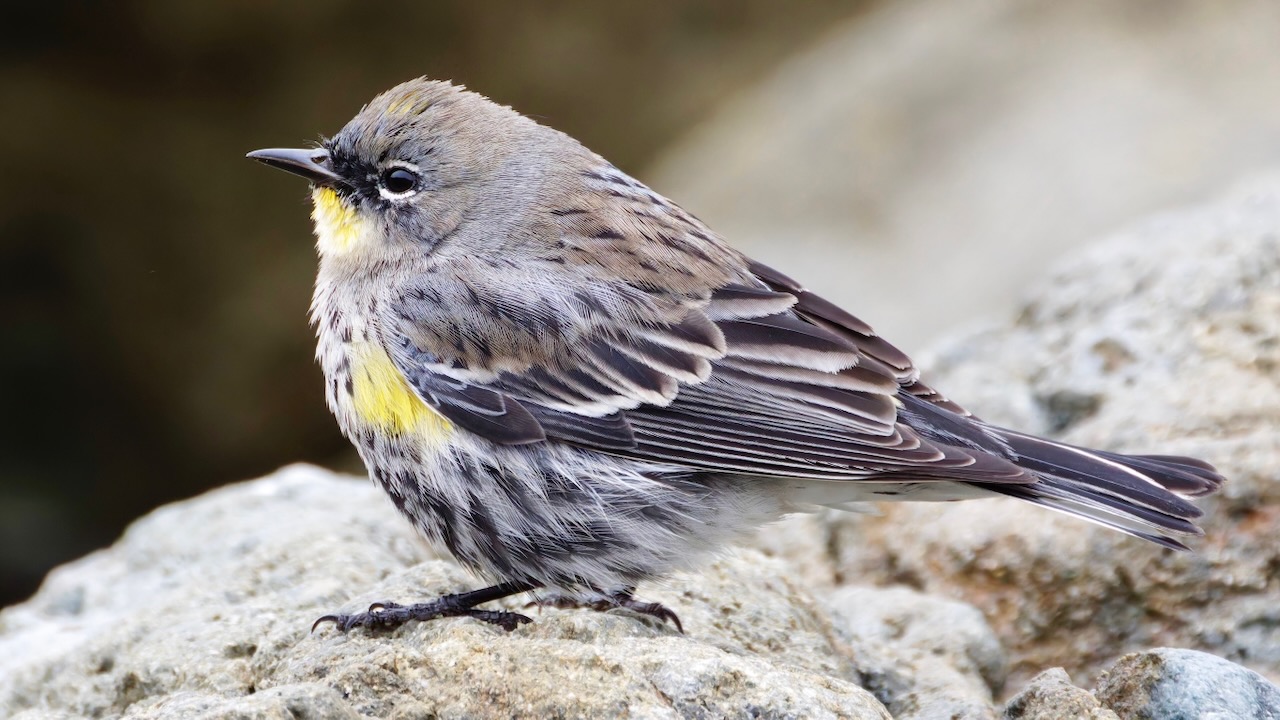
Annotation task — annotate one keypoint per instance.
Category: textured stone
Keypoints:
(1051, 696)
(949, 661)
(203, 609)
(934, 625)
(1165, 339)
(1172, 684)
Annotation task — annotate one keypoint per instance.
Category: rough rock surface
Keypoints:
(1051, 696)
(954, 657)
(203, 609)
(1162, 339)
(1160, 684)
(1173, 683)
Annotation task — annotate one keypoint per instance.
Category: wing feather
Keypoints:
(750, 375)
(669, 347)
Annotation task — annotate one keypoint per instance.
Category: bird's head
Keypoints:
(406, 172)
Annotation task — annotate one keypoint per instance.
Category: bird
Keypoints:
(573, 385)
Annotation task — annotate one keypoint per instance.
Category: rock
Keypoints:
(1051, 696)
(1171, 683)
(923, 162)
(953, 657)
(204, 608)
(802, 540)
(930, 624)
(1165, 339)
(1161, 684)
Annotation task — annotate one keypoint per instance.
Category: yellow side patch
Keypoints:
(407, 104)
(338, 228)
(383, 398)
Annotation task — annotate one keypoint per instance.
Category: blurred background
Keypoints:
(918, 160)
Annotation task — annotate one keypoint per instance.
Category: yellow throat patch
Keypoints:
(382, 397)
(339, 229)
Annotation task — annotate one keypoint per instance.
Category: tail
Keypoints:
(1142, 495)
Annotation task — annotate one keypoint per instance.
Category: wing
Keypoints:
(699, 359)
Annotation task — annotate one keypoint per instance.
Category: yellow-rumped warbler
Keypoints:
(572, 384)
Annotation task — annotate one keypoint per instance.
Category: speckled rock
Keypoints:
(1051, 696)
(952, 657)
(1166, 339)
(203, 609)
(1173, 684)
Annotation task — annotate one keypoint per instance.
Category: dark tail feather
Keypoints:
(1142, 495)
(1184, 476)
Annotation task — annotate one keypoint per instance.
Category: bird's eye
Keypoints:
(398, 181)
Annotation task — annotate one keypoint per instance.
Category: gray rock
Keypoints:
(1051, 696)
(801, 540)
(203, 609)
(915, 686)
(930, 624)
(1162, 339)
(925, 160)
(948, 659)
(1176, 684)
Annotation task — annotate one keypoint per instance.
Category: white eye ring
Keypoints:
(399, 180)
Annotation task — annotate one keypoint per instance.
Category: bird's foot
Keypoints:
(609, 601)
(389, 615)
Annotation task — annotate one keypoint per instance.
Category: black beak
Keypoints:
(313, 165)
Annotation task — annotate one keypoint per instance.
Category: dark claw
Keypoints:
(657, 610)
(335, 619)
(621, 599)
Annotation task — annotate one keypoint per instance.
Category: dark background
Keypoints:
(154, 284)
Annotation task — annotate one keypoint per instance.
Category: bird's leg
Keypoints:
(623, 598)
(388, 615)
